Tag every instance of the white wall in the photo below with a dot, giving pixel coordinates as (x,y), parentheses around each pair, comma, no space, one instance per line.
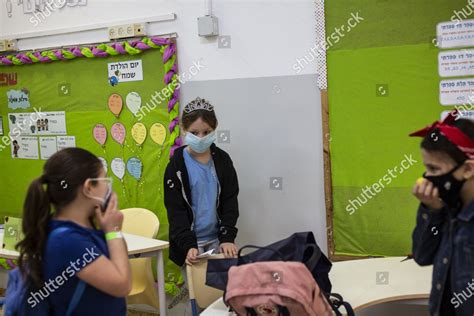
(271,135)
(267,37)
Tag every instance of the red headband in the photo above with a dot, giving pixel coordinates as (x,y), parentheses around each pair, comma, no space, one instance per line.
(452,133)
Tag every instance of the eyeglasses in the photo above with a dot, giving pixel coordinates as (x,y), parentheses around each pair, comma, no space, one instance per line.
(109,180)
(102,179)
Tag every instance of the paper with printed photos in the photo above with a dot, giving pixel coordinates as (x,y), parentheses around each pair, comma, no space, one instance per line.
(25,147)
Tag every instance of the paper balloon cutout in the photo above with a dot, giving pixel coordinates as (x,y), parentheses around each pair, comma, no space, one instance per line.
(118,168)
(134,167)
(104,164)
(100,134)
(118,133)
(158,133)
(115,104)
(139,133)
(134,102)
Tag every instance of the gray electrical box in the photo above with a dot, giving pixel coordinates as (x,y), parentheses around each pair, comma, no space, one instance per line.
(208,26)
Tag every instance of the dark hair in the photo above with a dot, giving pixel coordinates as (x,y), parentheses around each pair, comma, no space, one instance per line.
(190,116)
(436,142)
(64,173)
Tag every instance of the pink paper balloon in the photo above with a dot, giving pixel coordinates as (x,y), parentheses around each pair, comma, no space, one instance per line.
(118,133)
(100,134)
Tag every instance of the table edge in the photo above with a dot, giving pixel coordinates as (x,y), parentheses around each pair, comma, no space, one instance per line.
(392,299)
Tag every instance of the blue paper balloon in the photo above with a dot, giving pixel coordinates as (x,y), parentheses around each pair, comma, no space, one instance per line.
(134,167)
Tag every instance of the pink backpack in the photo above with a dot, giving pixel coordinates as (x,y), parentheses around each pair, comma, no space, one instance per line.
(275,288)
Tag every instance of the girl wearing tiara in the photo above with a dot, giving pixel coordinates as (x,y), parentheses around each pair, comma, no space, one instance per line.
(201,190)
(444,234)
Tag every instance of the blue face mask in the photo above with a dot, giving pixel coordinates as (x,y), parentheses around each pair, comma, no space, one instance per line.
(198,144)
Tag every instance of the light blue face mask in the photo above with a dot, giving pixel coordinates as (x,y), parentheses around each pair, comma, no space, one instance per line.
(198,144)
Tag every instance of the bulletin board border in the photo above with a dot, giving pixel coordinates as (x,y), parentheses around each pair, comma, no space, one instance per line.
(167,47)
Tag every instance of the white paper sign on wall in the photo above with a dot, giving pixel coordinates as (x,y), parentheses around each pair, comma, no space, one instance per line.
(456,63)
(463,114)
(48,147)
(456,91)
(455,34)
(124,71)
(66,142)
(25,147)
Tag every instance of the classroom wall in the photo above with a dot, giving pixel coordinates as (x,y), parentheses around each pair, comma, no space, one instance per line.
(272,113)
(391,49)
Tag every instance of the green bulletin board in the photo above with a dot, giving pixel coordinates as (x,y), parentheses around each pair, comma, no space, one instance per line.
(77,81)
(391,48)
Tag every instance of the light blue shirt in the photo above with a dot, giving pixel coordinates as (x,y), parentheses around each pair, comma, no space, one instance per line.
(203,181)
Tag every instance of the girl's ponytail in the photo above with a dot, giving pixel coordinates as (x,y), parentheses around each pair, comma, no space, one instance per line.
(64,174)
(36,215)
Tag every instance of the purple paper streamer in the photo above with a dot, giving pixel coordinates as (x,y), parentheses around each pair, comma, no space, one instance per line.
(76,51)
(169,52)
(119,48)
(160,41)
(168,76)
(99,53)
(171,103)
(59,54)
(173,124)
(141,45)
(24,59)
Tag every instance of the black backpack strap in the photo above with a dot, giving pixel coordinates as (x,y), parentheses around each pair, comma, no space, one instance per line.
(241,259)
(336,301)
(312,261)
(348,307)
(337,296)
(334,308)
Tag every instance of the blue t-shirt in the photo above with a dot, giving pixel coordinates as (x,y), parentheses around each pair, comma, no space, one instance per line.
(66,254)
(203,182)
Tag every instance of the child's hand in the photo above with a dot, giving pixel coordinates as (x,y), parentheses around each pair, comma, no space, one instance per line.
(112,219)
(228,249)
(191,257)
(427,194)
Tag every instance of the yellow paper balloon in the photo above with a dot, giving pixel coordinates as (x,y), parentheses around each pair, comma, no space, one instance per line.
(139,133)
(158,133)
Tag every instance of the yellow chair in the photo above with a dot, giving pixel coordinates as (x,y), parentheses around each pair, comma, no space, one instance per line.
(199,292)
(142,222)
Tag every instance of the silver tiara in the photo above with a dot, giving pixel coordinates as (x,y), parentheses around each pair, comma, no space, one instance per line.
(198,104)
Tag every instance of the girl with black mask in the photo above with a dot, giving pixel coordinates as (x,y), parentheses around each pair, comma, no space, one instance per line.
(444,233)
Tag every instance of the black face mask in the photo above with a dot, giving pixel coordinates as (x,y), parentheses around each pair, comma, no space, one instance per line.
(449,187)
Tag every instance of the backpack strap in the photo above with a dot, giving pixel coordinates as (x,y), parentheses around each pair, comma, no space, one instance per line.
(240,257)
(348,307)
(81,285)
(336,301)
(58,230)
(312,261)
(76,297)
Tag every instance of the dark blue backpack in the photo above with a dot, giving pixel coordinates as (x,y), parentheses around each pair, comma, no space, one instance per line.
(16,302)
